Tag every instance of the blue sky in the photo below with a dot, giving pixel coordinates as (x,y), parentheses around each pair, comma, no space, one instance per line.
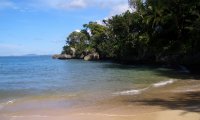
(41,26)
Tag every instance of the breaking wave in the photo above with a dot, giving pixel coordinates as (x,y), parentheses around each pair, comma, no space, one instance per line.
(131,92)
(139,91)
(164,83)
(2,105)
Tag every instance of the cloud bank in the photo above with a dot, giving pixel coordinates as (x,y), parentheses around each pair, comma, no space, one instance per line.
(115,6)
(5,4)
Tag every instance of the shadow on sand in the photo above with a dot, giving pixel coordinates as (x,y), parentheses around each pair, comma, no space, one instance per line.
(189,102)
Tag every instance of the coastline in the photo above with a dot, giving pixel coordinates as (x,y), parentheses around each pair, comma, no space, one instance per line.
(178,101)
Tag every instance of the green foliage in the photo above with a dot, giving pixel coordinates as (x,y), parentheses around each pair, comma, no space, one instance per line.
(98,37)
(157,31)
(66,50)
(77,40)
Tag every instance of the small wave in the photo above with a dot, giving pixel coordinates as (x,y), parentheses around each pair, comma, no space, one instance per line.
(139,91)
(2,105)
(131,92)
(163,83)
(10,101)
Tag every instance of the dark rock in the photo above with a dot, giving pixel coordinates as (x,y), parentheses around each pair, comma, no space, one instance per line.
(92,56)
(62,56)
(82,56)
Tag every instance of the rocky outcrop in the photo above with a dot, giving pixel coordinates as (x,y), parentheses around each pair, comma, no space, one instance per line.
(73,50)
(62,56)
(91,57)
(82,56)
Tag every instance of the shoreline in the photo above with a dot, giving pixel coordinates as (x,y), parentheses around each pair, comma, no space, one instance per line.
(183,68)
(172,101)
(160,115)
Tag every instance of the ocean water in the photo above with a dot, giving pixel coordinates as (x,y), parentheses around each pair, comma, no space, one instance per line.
(41,77)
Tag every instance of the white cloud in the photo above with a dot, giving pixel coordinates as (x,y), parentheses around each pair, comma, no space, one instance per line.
(7,4)
(59,4)
(78,30)
(115,6)
(100,22)
(120,8)
(77,4)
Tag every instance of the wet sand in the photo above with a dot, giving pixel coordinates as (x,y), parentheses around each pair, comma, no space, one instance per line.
(161,115)
(177,101)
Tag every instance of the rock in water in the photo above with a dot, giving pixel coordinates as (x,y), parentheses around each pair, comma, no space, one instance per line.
(93,56)
(62,56)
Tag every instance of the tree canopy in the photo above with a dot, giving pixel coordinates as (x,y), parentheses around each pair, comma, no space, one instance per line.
(157,31)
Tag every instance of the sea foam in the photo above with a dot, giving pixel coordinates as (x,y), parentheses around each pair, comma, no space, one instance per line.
(163,83)
(131,92)
(139,91)
(2,105)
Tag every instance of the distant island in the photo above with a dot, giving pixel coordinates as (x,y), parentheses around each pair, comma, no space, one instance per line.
(30,55)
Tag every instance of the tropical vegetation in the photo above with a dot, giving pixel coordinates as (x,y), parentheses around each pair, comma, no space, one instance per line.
(153,31)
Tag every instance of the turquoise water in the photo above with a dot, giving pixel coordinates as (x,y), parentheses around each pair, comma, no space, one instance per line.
(26,77)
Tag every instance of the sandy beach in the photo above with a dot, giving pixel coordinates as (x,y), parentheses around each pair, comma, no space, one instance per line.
(100,60)
(161,115)
(178,101)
